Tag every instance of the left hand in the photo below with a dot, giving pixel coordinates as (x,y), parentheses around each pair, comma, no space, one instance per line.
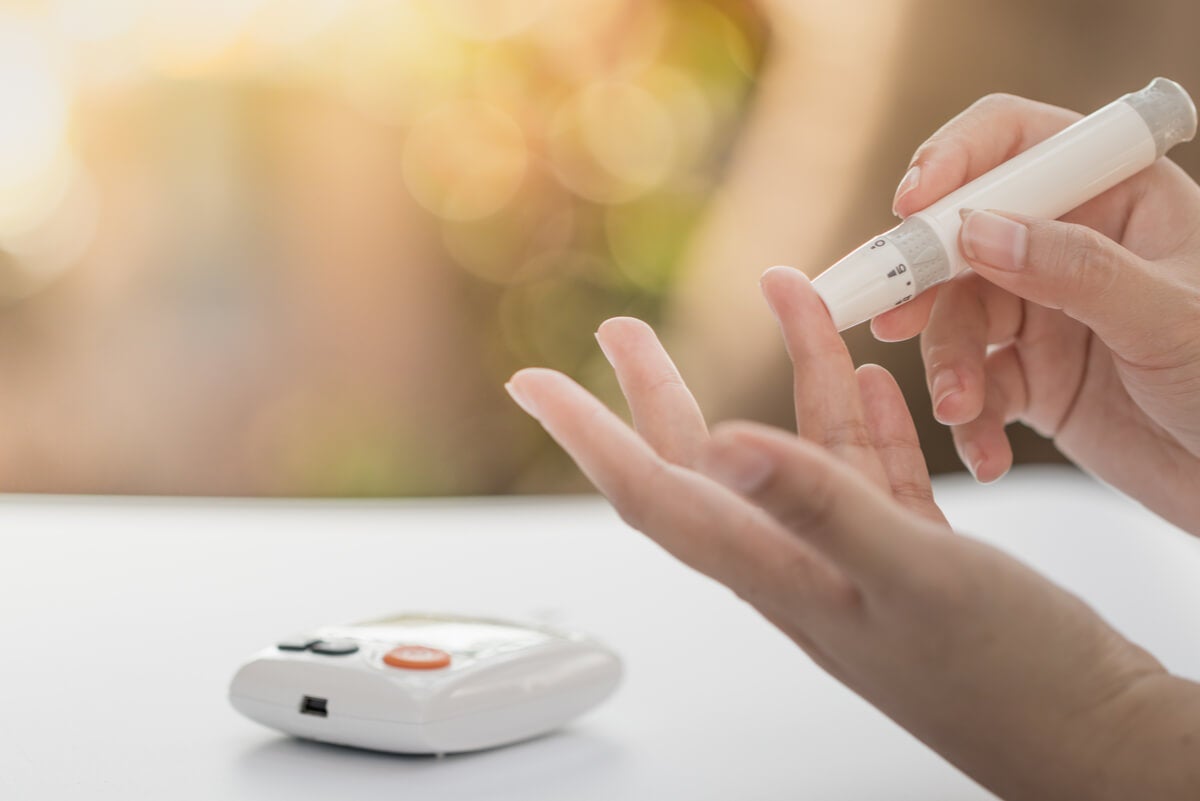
(833,535)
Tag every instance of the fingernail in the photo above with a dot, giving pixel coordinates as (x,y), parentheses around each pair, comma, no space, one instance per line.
(972,457)
(762,285)
(945,384)
(603,347)
(907,184)
(742,468)
(994,240)
(522,399)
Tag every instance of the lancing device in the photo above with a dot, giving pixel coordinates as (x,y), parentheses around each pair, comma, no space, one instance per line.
(1048,180)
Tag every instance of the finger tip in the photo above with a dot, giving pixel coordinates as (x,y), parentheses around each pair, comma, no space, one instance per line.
(948,410)
(615,329)
(521,395)
(875,382)
(960,406)
(727,429)
(904,322)
(873,373)
(991,471)
(621,322)
(533,377)
(912,201)
(780,273)
(987,464)
(735,432)
(617,336)
(994,479)
(791,289)
(881,329)
(903,207)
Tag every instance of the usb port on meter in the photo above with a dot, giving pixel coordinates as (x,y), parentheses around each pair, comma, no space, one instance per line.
(318,707)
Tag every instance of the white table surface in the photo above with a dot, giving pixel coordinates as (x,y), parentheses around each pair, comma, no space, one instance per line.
(123,620)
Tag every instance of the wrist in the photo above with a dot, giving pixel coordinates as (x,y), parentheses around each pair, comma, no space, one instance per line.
(1158,473)
(1149,745)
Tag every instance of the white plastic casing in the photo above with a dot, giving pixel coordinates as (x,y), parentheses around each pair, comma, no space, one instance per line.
(1053,177)
(505,683)
(1047,180)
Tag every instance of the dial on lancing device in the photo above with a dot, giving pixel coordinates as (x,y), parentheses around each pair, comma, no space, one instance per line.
(425,684)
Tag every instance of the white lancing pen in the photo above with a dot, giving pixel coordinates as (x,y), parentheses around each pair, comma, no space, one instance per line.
(1048,180)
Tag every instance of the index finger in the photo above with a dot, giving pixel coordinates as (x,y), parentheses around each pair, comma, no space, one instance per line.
(828,407)
(989,132)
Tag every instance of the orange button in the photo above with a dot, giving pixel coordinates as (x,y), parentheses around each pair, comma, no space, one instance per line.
(416,657)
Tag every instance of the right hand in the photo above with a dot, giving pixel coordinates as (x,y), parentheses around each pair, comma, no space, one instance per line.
(1087,329)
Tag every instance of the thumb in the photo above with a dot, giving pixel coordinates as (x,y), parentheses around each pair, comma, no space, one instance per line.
(1119,295)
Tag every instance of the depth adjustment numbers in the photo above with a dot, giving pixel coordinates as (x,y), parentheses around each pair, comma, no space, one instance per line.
(899,271)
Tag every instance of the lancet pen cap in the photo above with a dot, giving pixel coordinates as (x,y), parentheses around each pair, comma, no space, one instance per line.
(1168,111)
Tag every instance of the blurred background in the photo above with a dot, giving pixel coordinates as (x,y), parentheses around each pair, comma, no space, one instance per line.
(295,247)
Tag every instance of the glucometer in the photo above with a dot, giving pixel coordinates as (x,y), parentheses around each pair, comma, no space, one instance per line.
(425,683)
(1048,180)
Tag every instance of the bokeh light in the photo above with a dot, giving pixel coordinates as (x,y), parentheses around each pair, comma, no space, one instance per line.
(66,225)
(589,40)
(335,199)
(648,238)
(465,160)
(47,208)
(521,242)
(33,134)
(91,21)
(397,63)
(486,20)
(185,38)
(282,26)
(612,142)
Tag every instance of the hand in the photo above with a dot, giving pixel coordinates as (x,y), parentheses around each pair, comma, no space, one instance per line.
(1087,329)
(834,537)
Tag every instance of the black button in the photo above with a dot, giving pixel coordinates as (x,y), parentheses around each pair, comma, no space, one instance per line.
(335,647)
(297,643)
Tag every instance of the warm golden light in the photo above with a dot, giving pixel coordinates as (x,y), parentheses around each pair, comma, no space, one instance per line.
(66,221)
(92,21)
(612,142)
(285,24)
(193,37)
(35,102)
(331,201)
(589,40)
(486,20)
(465,160)
(522,242)
(397,63)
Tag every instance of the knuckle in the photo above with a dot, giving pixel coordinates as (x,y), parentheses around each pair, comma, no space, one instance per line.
(912,490)
(831,590)
(813,509)
(939,353)
(1085,262)
(940,588)
(847,433)
(667,381)
(995,103)
(632,495)
(957,133)
(628,510)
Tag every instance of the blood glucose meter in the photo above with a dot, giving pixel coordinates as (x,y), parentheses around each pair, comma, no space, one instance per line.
(425,683)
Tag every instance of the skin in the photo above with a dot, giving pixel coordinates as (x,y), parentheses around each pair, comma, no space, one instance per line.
(1095,342)
(832,534)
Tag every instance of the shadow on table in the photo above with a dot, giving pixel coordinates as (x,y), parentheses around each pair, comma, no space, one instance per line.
(574,764)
